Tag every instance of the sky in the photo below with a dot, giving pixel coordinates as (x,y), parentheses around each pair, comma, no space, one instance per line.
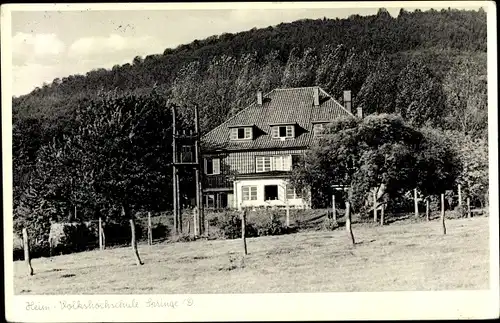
(54,43)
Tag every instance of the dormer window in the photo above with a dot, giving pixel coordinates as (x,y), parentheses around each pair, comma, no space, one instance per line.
(241,133)
(283,131)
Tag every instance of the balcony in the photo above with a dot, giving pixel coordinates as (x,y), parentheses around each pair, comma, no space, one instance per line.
(217,181)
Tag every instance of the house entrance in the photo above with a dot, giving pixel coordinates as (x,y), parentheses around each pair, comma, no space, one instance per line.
(271,192)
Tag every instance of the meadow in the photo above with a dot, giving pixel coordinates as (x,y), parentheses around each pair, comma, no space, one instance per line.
(396,257)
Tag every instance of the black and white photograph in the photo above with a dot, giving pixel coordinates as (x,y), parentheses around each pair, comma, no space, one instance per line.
(250,161)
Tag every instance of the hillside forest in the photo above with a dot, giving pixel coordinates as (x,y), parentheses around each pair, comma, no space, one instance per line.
(101,142)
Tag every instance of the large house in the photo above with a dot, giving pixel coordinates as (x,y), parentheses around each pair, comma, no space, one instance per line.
(246,159)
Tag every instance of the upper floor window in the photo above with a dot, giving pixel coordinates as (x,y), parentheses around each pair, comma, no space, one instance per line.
(285,131)
(270,163)
(212,166)
(241,133)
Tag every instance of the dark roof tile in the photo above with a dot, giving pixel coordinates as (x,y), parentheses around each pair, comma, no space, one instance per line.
(281,106)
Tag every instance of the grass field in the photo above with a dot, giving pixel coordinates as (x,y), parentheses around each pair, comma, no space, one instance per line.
(396,257)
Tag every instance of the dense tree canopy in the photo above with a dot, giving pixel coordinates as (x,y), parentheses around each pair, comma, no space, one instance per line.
(378,152)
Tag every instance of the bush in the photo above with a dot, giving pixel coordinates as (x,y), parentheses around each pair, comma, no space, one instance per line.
(330,224)
(76,238)
(273,227)
(119,233)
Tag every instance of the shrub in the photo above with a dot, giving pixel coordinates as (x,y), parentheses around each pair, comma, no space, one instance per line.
(273,227)
(330,224)
(119,233)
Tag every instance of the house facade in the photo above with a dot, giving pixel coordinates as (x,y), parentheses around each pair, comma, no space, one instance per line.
(247,159)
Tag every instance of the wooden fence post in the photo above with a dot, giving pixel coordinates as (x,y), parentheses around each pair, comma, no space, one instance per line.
(415,201)
(243,233)
(134,243)
(442,214)
(382,214)
(287,214)
(101,235)
(468,207)
(427,209)
(459,195)
(195,221)
(150,230)
(334,210)
(348,222)
(26,245)
(375,205)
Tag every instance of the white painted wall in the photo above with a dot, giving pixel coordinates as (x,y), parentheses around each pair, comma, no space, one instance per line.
(260,183)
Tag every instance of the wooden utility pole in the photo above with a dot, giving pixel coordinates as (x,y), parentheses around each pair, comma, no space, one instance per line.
(197,170)
(192,142)
(26,246)
(174,170)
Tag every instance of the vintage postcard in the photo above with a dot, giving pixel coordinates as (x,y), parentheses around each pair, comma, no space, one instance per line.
(250,161)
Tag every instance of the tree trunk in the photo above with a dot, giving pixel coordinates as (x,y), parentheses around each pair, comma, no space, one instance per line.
(442,214)
(375,205)
(26,246)
(348,222)
(415,201)
(243,233)
(427,209)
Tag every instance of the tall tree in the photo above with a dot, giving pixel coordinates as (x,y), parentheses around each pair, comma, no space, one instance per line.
(465,87)
(420,98)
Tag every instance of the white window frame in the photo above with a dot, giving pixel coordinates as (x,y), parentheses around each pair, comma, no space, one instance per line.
(247,133)
(289,131)
(278,162)
(215,166)
(249,193)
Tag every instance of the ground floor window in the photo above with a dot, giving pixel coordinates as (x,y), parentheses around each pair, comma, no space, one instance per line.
(216,200)
(249,193)
(292,193)
(270,192)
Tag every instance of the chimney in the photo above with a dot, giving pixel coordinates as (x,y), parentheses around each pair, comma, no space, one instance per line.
(360,112)
(259,97)
(347,100)
(316,96)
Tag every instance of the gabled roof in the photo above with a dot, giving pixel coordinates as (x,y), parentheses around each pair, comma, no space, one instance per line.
(280,106)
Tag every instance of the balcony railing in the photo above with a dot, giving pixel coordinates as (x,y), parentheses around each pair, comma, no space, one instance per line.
(217,181)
